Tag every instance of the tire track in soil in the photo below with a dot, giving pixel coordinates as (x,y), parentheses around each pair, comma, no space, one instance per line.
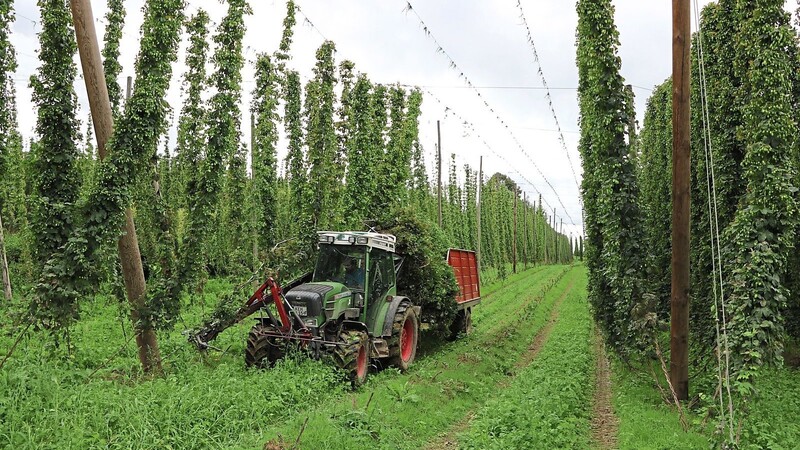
(605,424)
(500,329)
(449,440)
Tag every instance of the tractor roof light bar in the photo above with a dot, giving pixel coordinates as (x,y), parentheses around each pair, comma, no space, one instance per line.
(385,242)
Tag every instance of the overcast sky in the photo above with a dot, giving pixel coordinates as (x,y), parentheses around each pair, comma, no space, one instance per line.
(486,40)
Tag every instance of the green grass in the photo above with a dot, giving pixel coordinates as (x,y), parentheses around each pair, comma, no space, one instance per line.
(47,399)
(773,420)
(646,422)
(97,396)
(548,403)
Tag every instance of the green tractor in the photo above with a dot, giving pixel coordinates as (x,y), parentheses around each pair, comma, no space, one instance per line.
(349,310)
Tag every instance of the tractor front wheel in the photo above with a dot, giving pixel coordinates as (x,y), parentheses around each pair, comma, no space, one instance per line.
(263,349)
(351,354)
(405,334)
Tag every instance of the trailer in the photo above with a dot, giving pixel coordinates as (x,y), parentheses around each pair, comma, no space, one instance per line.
(465,269)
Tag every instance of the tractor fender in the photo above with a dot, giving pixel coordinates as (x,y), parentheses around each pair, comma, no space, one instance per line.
(354,325)
(387,323)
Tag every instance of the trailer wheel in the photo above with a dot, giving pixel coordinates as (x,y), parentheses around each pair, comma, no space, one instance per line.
(263,350)
(405,334)
(351,354)
(461,324)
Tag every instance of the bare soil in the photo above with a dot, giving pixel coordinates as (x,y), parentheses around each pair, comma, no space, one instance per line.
(605,424)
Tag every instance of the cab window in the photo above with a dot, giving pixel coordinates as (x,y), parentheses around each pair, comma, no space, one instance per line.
(382,273)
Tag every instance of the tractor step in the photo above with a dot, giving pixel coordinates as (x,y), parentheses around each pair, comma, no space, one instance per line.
(380,349)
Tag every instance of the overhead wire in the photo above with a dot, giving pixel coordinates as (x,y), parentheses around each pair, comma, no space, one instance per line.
(547,95)
(471,127)
(467,123)
(439,49)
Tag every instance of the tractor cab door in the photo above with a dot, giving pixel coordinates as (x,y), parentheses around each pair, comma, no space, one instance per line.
(381,276)
(381,280)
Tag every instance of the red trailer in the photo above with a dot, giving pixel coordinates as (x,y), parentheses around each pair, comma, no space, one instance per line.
(465,268)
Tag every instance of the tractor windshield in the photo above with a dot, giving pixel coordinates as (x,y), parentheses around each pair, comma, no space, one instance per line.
(341,264)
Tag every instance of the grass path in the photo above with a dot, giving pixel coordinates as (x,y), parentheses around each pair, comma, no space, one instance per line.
(547,405)
(449,440)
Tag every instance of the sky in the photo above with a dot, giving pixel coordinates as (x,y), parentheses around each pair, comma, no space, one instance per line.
(484,44)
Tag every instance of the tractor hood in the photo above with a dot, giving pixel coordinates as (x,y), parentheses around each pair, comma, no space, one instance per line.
(317,298)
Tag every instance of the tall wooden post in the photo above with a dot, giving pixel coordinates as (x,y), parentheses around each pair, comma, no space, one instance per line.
(478,212)
(525,229)
(128,244)
(128,88)
(545,257)
(439,166)
(555,237)
(679,314)
(252,180)
(4,264)
(514,242)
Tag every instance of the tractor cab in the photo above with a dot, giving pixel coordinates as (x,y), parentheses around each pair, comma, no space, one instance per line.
(364,263)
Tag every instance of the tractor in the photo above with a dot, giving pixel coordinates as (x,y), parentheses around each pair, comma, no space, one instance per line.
(348,309)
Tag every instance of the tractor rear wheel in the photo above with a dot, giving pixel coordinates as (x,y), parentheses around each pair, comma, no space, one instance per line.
(461,324)
(263,350)
(405,334)
(351,354)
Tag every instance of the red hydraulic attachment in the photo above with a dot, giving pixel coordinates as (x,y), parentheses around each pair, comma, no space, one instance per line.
(260,298)
(291,325)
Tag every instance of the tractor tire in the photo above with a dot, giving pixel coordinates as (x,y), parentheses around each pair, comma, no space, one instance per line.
(351,354)
(405,335)
(462,324)
(263,350)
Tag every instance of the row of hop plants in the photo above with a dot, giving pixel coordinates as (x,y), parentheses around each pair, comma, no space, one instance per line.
(745,104)
(354,156)
(752,94)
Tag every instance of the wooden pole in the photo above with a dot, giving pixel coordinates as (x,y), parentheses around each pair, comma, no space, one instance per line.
(514,242)
(93,74)
(478,212)
(555,238)
(558,237)
(252,178)
(128,88)
(679,314)
(4,264)
(439,165)
(128,244)
(525,229)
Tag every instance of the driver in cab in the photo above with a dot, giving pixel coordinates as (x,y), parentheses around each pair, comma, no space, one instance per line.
(353,275)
